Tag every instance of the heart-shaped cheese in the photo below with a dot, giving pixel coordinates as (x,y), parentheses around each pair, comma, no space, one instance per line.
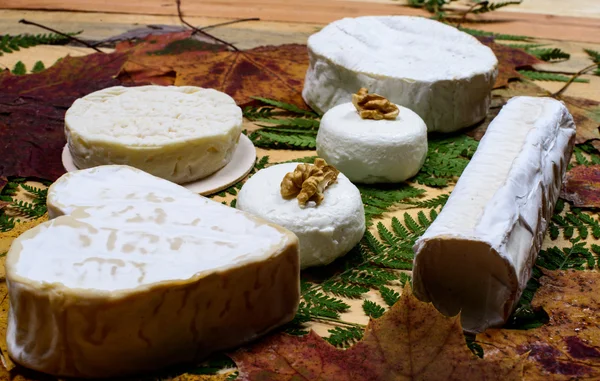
(134,273)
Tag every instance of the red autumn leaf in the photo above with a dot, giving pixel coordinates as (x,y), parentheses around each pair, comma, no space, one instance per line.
(412,341)
(582,186)
(509,60)
(34,105)
(568,347)
(3,182)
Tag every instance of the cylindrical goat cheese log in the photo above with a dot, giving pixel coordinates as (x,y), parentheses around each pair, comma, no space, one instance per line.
(477,256)
(134,273)
(444,75)
(178,133)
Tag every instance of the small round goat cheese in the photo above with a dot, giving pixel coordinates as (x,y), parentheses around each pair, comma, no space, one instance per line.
(325,232)
(444,75)
(181,133)
(372,151)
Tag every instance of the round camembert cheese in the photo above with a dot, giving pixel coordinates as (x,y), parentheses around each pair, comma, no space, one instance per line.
(372,151)
(180,134)
(444,75)
(326,231)
(134,273)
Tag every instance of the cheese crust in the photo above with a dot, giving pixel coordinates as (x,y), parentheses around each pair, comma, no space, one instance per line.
(476,257)
(325,232)
(178,133)
(444,75)
(372,151)
(135,273)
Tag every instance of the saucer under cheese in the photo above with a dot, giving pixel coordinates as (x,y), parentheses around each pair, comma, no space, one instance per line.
(373,151)
(326,231)
(134,273)
(180,134)
(444,75)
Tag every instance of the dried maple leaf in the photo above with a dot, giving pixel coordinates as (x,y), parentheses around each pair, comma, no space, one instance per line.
(33,109)
(509,60)
(582,186)
(566,348)
(412,341)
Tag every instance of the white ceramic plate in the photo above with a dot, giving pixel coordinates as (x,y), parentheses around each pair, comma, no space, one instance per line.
(240,165)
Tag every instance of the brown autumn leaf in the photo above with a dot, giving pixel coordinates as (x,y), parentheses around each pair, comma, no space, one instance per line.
(509,60)
(33,109)
(566,348)
(412,341)
(582,186)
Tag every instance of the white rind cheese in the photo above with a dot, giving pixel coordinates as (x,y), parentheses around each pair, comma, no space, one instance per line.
(135,273)
(372,151)
(477,255)
(325,232)
(444,75)
(181,134)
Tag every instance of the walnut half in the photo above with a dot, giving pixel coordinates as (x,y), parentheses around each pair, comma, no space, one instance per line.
(308,182)
(374,106)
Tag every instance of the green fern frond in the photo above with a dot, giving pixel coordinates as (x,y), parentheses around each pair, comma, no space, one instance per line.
(315,298)
(344,336)
(373,309)
(389,296)
(497,36)
(287,107)
(271,139)
(486,6)
(544,76)
(301,123)
(404,278)
(38,67)
(380,199)
(29,209)
(431,203)
(12,43)
(19,69)
(351,291)
(573,257)
(576,220)
(305,159)
(594,55)
(522,46)
(38,193)
(549,54)
(6,223)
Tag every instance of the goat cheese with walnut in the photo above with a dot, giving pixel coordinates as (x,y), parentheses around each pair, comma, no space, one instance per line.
(181,134)
(328,225)
(444,75)
(134,273)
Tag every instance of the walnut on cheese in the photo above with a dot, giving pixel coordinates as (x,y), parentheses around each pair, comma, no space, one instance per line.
(134,273)
(325,231)
(308,182)
(374,106)
(477,256)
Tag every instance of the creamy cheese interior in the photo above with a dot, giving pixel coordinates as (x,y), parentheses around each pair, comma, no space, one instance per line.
(127,229)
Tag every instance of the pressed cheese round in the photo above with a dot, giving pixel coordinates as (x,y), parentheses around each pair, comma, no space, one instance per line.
(444,75)
(372,151)
(325,232)
(180,134)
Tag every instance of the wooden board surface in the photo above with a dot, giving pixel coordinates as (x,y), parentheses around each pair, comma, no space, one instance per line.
(324,11)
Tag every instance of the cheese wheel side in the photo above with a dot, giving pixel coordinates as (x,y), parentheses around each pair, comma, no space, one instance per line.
(476,257)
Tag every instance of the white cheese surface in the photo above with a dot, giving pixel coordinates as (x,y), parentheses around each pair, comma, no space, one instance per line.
(178,133)
(325,232)
(478,254)
(441,73)
(372,151)
(133,273)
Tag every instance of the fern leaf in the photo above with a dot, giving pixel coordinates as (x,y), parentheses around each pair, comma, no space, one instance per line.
(522,46)
(12,43)
(19,68)
(352,291)
(423,221)
(594,55)
(344,336)
(387,236)
(36,192)
(399,229)
(404,278)
(286,106)
(549,54)
(431,203)
(28,209)
(411,224)
(544,76)
(309,124)
(37,67)
(390,262)
(6,223)
(373,309)
(487,6)
(497,36)
(560,206)
(319,299)
(270,139)
(389,296)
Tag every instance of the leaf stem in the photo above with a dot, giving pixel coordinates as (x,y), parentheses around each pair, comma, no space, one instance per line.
(573,78)
(463,19)
(338,321)
(26,22)
(229,23)
(196,30)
